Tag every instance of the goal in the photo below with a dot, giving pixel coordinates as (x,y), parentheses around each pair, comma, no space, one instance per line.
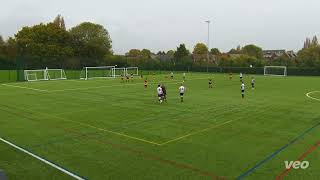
(44,74)
(36,75)
(56,74)
(275,70)
(132,70)
(97,72)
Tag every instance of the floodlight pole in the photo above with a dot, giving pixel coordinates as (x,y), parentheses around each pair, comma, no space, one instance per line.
(208,44)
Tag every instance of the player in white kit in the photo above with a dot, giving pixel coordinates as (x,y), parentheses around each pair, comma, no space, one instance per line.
(242,90)
(160,93)
(182,90)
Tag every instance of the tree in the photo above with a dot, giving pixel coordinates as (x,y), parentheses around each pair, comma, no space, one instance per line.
(315,41)
(234,51)
(161,53)
(91,40)
(146,53)
(215,51)
(181,52)
(59,21)
(170,53)
(200,48)
(134,53)
(238,48)
(307,43)
(253,50)
(1,41)
(46,42)
(308,57)
(63,25)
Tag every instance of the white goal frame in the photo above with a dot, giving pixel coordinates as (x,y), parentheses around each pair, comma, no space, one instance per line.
(275,67)
(62,73)
(29,73)
(85,71)
(133,68)
(45,74)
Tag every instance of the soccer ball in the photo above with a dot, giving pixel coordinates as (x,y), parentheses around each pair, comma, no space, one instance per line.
(250,66)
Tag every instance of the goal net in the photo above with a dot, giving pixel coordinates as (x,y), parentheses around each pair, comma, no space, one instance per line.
(97,72)
(275,70)
(44,74)
(132,70)
(119,72)
(36,75)
(56,74)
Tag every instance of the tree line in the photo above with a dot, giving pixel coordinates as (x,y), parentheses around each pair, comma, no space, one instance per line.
(89,44)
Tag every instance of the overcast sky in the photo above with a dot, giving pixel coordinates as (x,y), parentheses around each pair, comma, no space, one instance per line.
(164,24)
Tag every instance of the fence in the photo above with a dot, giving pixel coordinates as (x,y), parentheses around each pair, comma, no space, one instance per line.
(13,75)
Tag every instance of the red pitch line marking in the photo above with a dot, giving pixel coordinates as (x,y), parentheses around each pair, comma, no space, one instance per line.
(304,155)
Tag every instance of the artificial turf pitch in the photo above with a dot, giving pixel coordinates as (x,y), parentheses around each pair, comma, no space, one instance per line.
(105,129)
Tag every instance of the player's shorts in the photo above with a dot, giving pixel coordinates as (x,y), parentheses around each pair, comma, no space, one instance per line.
(181,94)
(252,84)
(160,95)
(145,85)
(210,83)
(242,91)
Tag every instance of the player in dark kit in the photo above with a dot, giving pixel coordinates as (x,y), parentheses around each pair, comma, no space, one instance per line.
(122,79)
(145,83)
(253,81)
(210,83)
(164,90)
(230,76)
(131,77)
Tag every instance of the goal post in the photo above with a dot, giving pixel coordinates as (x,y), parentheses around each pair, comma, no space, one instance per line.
(97,72)
(275,71)
(44,74)
(132,70)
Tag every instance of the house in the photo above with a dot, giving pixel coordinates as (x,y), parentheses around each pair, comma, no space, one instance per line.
(274,54)
(203,58)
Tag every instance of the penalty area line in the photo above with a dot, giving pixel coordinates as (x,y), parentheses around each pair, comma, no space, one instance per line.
(43,160)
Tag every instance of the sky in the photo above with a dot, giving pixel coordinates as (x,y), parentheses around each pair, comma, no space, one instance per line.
(164,24)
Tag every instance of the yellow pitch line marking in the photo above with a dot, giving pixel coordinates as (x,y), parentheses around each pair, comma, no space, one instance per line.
(101,129)
(197,132)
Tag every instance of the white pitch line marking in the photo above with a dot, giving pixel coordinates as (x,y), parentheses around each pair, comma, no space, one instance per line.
(43,160)
(23,87)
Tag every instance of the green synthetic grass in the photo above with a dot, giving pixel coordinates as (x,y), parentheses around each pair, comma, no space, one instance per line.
(105,129)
